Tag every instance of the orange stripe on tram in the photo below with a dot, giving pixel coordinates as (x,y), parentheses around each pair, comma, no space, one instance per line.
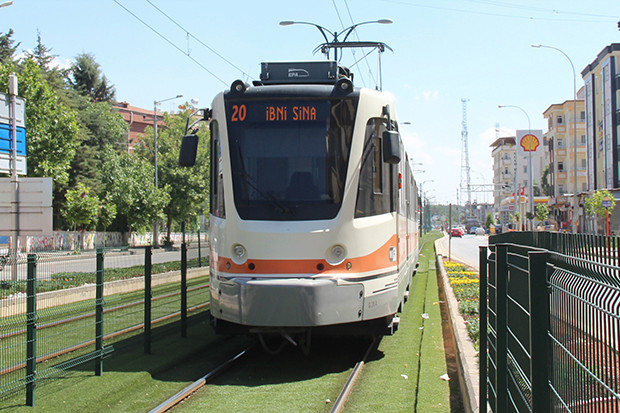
(376,260)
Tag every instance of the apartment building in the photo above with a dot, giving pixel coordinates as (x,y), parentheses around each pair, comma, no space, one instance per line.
(602,124)
(504,154)
(138,119)
(562,121)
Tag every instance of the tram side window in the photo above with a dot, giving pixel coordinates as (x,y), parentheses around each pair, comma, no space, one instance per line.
(217,173)
(373,194)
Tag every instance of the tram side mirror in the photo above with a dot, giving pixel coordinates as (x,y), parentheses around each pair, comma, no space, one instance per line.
(391,147)
(189,147)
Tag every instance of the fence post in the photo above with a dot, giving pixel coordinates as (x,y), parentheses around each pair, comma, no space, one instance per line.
(501,349)
(99,314)
(199,251)
(148,253)
(31,329)
(183,289)
(540,351)
(483,327)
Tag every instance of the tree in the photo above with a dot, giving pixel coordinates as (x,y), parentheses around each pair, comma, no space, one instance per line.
(53,132)
(542,212)
(128,181)
(100,127)
(188,187)
(7,47)
(594,204)
(489,221)
(544,182)
(43,57)
(86,78)
(81,208)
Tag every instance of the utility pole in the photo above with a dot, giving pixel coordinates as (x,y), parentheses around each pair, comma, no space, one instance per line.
(14,181)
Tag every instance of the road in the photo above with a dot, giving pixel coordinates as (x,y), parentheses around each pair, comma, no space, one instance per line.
(465,249)
(47,265)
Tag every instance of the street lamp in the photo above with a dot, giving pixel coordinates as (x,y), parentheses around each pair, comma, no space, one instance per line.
(323,31)
(574,227)
(531,174)
(422,201)
(156,103)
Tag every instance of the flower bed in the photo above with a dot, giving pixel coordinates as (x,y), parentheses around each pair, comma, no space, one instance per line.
(466,287)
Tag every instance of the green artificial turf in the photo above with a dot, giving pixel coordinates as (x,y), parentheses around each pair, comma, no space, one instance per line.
(133,381)
(405,375)
(402,375)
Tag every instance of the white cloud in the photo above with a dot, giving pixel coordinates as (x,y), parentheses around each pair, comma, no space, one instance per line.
(57,62)
(430,95)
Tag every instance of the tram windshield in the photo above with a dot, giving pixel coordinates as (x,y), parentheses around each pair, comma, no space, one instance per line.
(289,158)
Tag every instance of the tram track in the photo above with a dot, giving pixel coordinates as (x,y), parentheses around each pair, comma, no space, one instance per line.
(350,383)
(201,382)
(229,364)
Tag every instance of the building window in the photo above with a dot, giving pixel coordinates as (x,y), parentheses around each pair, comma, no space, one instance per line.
(584,164)
(560,120)
(560,166)
(582,116)
(560,143)
(525,169)
(561,189)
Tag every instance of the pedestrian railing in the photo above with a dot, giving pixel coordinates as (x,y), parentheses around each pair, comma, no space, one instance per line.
(550,324)
(59,314)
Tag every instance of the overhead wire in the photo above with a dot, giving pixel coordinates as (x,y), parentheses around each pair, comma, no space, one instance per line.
(343,27)
(539,9)
(169,42)
(358,38)
(513,16)
(198,40)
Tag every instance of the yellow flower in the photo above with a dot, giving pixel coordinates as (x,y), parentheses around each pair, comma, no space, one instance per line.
(459,281)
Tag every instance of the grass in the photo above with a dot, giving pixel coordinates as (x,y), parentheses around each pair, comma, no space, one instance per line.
(407,376)
(53,339)
(133,381)
(402,375)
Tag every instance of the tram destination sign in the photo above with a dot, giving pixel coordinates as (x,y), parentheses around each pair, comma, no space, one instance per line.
(279,111)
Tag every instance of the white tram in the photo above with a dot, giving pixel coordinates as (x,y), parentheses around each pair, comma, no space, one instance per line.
(314,208)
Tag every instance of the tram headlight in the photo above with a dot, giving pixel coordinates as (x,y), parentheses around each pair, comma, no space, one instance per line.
(239,254)
(336,254)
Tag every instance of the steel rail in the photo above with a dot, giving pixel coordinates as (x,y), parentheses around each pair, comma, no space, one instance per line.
(201,382)
(108,336)
(348,386)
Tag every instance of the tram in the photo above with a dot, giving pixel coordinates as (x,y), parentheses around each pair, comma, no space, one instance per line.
(314,209)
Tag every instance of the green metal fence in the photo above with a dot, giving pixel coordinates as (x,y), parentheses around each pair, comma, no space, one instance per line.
(550,323)
(57,313)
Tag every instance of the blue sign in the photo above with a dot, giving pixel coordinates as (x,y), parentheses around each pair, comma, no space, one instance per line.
(6,140)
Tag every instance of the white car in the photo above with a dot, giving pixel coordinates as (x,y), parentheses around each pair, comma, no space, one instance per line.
(480,231)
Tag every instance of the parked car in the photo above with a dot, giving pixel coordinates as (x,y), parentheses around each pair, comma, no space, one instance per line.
(457,232)
(473,230)
(480,231)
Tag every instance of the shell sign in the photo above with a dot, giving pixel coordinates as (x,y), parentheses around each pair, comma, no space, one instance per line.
(529,143)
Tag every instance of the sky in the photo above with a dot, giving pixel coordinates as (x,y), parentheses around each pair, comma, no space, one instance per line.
(444,52)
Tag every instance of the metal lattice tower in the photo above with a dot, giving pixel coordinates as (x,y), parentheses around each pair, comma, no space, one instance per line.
(465,175)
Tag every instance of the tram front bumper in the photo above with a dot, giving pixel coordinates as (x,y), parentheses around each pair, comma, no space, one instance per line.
(287,302)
